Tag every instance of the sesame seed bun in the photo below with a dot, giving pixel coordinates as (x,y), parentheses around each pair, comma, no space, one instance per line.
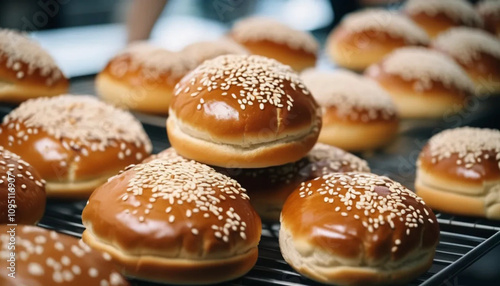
(478,52)
(436,17)
(45,257)
(142,78)
(270,38)
(75,142)
(489,10)
(243,111)
(27,70)
(357,229)
(365,37)
(269,187)
(166,220)
(358,115)
(20,186)
(458,171)
(423,83)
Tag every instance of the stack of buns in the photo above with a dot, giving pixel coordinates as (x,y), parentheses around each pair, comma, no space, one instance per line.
(27,70)
(269,187)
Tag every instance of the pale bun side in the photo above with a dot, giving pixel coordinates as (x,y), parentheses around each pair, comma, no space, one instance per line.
(357,51)
(307,262)
(353,136)
(446,199)
(178,270)
(224,155)
(27,70)
(155,99)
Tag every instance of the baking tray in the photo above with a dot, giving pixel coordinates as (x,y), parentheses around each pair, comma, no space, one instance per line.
(463,240)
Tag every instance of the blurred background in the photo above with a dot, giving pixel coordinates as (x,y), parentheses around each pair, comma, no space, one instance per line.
(96,28)
(83,35)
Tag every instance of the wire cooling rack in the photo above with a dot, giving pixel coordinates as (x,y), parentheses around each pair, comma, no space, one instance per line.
(462,240)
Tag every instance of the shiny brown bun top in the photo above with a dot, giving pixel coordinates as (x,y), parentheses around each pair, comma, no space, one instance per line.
(173,209)
(424,70)
(489,10)
(20,186)
(383,22)
(45,257)
(265,29)
(201,51)
(145,64)
(477,51)
(74,137)
(466,154)
(23,61)
(360,217)
(437,16)
(348,96)
(244,100)
(270,38)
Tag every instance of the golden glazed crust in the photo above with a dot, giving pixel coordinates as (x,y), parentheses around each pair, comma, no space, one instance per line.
(243,109)
(22,186)
(341,224)
(142,77)
(78,148)
(269,38)
(165,216)
(458,171)
(45,257)
(27,70)
(269,187)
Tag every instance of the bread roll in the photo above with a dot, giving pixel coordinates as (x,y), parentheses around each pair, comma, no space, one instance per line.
(423,83)
(357,229)
(269,187)
(489,10)
(243,111)
(27,70)
(43,257)
(272,39)
(438,16)
(365,37)
(174,221)
(458,172)
(75,142)
(477,52)
(22,191)
(142,78)
(358,115)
